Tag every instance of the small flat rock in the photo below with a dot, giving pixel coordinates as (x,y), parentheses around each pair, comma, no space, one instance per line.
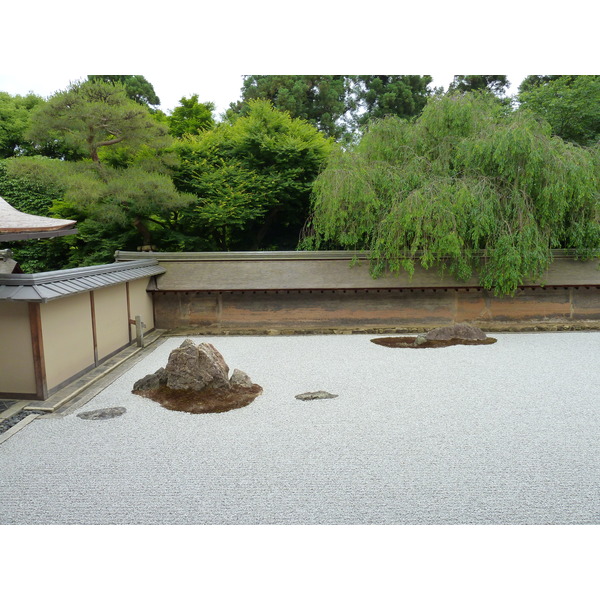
(103,413)
(315,395)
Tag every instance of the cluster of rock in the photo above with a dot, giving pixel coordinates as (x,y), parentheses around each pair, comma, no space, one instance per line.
(440,337)
(193,367)
(196,379)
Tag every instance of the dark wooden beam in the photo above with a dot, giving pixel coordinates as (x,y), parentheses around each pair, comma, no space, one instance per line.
(94,334)
(128,311)
(37,345)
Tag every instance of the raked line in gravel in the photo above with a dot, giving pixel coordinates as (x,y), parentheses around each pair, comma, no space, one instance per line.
(498,434)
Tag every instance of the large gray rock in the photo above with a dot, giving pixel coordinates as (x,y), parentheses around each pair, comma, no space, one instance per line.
(192,367)
(459,331)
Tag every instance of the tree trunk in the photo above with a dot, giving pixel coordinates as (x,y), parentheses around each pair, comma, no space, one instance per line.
(143,231)
(262,232)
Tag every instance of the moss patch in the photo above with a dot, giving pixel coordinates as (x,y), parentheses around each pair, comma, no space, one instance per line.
(409,342)
(205,401)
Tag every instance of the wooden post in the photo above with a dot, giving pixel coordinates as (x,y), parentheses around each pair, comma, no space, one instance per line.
(37,344)
(128,310)
(139,330)
(94,332)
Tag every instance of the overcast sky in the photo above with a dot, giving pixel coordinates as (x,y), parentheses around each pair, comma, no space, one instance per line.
(184,48)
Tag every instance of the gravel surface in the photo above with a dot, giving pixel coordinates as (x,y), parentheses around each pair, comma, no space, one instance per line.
(498,434)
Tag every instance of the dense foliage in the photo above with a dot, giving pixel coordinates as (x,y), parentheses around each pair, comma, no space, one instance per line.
(115,208)
(412,174)
(497,84)
(570,104)
(339,105)
(31,195)
(15,113)
(191,117)
(318,99)
(251,177)
(468,178)
(137,87)
(93,114)
(377,96)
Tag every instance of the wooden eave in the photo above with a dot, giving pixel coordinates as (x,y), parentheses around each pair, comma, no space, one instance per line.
(17,225)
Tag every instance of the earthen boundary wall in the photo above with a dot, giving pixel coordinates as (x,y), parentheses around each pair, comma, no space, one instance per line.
(333,292)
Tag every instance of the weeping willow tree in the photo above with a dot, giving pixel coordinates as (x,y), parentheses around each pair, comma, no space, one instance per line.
(469,186)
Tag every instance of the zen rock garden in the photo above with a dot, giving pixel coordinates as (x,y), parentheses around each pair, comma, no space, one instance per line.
(196,380)
(441,337)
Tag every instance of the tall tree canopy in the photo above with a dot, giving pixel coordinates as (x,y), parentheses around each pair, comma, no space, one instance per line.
(191,117)
(377,96)
(532,81)
(318,99)
(122,194)
(570,103)
(116,208)
(467,178)
(93,114)
(339,105)
(497,84)
(252,177)
(137,87)
(14,121)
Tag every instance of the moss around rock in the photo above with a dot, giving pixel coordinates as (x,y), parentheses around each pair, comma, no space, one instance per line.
(204,401)
(441,337)
(410,342)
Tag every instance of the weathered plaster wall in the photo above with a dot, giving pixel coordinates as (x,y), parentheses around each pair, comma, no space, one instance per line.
(17,374)
(68,337)
(112,322)
(304,291)
(140,302)
(371,309)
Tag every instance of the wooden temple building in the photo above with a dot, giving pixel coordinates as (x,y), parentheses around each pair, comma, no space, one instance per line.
(57,325)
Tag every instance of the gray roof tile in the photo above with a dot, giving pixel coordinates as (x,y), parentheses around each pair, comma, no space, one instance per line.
(42,287)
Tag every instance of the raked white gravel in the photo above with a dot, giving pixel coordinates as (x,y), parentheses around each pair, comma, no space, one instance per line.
(500,434)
